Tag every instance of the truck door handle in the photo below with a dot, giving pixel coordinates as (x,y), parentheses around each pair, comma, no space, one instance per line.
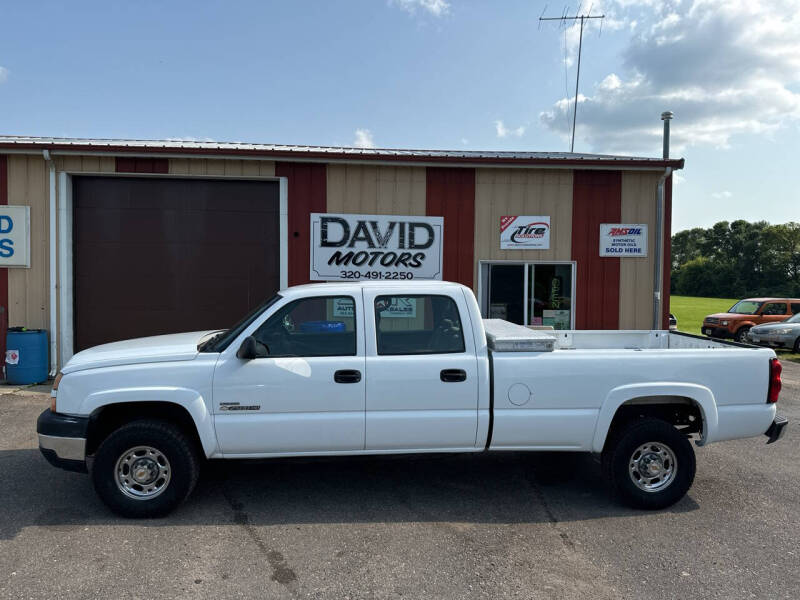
(453,375)
(347,376)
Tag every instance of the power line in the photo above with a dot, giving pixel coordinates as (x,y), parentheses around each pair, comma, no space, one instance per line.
(563,19)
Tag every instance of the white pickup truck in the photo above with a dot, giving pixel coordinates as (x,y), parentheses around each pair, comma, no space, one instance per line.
(406,367)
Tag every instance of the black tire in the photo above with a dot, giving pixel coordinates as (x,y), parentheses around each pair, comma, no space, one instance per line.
(173,450)
(619,454)
(741,334)
(797,346)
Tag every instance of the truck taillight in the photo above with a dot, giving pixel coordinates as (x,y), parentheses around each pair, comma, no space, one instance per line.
(774,389)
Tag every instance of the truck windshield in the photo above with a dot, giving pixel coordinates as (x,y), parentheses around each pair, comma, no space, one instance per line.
(223,339)
(745,307)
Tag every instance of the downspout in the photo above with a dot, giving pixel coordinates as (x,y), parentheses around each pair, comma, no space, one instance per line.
(658,271)
(51,164)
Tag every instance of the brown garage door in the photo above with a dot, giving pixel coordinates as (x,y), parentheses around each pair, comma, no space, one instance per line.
(155,255)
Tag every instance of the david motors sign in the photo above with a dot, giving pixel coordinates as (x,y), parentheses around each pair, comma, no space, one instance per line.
(623,240)
(15,236)
(524,233)
(375,247)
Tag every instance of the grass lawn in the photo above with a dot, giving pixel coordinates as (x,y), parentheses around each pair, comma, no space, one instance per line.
(690,312)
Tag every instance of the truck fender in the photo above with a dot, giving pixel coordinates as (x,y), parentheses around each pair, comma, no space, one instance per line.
(189,399)
(618,396)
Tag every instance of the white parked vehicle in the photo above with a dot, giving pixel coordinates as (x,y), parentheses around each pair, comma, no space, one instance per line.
(406,367)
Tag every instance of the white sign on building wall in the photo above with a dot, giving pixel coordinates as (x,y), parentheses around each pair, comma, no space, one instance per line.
(375,247)
(15,236)
(524,232)
(623,240)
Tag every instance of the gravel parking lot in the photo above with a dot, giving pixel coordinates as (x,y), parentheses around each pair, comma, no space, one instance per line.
(487,526)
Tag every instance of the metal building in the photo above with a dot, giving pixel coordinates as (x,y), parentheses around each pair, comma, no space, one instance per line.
(129,238)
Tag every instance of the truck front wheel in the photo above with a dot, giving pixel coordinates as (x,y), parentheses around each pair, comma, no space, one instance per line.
(649,464)
(145,469)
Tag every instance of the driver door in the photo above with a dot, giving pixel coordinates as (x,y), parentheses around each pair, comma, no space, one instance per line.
(306,394)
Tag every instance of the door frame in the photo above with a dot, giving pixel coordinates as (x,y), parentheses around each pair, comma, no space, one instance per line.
(483,294)
(66,291)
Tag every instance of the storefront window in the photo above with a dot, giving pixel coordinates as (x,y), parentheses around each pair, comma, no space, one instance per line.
(529,293)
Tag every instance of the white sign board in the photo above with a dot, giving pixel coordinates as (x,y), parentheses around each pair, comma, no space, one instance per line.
(524,232)
(399,308)
(375,247)
(623,240)
(15,236)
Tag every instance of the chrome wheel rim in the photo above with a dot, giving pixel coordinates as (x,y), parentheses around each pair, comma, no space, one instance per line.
(142,472)
(652,467)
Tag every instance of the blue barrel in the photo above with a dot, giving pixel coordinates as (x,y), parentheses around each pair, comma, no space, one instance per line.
(322,326)
(26,356)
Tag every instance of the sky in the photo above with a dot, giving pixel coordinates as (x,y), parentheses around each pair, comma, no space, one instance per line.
(444,74)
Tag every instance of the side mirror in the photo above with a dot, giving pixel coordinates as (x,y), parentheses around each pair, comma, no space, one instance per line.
(250,349)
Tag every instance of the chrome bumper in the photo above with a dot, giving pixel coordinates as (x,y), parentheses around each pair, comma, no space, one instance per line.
(66,448)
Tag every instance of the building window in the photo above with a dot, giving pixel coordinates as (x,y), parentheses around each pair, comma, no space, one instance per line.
(529,293)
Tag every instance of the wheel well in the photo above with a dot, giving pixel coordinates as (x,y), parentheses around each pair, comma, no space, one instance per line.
(106,419)
(681,412)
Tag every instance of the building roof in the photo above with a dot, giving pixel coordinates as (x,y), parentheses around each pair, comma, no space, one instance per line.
(27,144)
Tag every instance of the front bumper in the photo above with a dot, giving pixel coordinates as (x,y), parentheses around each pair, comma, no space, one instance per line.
(716,331)
(62,440)
(777,429)
(770,339)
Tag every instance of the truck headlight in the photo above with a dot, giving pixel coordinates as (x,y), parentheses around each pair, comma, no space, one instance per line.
(54,391)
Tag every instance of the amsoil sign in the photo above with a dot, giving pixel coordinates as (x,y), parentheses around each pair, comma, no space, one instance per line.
(15,236)
(524,233)
(375,247)
(623,240)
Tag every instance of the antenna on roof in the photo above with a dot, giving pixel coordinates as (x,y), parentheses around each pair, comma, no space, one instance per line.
(562,21)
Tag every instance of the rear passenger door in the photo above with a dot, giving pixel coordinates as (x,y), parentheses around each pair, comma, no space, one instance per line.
(422,383)
(773,312)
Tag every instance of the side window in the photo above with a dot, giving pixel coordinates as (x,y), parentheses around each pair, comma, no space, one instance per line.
(321,326)
(418,325)
(795,308)
(774,308)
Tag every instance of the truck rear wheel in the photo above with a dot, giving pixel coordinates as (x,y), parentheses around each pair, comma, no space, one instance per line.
(649,464)
(145,469)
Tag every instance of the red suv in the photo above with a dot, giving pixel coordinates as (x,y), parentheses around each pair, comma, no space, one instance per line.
(746,314)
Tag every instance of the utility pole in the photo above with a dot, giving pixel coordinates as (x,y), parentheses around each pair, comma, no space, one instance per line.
(562,22)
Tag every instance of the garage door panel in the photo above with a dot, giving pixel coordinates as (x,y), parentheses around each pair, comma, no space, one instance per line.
(157,255)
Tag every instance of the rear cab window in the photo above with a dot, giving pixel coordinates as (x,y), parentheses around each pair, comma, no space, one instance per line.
(417,324)
(795,308)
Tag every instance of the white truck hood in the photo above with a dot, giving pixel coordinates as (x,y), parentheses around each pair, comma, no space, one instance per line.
(159,348)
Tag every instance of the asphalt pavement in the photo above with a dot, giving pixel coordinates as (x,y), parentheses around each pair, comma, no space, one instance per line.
(485,526)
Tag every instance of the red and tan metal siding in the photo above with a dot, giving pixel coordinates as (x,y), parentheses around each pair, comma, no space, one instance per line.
(450,193)
(636,274)
(597,198)
(501,192)
(28,299)
(376,190)
(307,190)
(209,167)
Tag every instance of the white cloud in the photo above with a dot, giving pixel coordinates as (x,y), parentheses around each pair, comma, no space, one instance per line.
(722,195)
(4,74)
(724,67)
(363,139)
(436,8)
(504,132)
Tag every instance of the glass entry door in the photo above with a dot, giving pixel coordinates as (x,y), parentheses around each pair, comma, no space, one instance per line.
(531,293)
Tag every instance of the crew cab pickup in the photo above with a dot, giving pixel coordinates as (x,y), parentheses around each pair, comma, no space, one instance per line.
(399,367)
